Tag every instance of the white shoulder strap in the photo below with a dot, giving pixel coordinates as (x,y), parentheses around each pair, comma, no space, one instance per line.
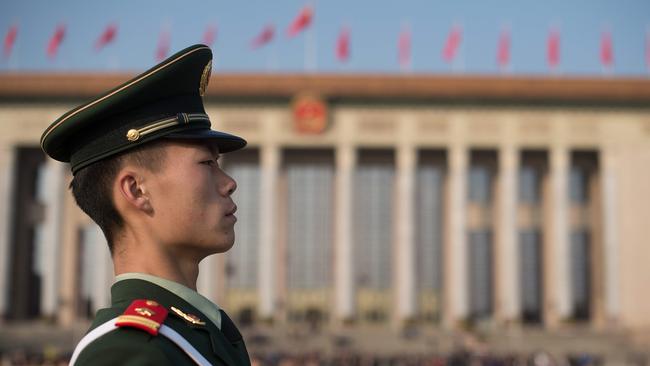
(168,332)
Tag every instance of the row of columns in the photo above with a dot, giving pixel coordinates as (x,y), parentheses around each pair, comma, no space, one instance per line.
(455,306)
(557,291)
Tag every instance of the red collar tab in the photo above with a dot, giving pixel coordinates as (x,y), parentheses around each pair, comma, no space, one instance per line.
(147,315)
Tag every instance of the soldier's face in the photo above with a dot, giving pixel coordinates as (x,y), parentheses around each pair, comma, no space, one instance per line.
(191,200)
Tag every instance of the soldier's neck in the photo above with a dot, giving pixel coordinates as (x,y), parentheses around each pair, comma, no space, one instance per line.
(153,260)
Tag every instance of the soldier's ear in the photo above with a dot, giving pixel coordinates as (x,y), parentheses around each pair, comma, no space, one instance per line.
(133,191)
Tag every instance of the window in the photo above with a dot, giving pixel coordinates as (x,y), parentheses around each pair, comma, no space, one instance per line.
(310,197)
(530,271)
(480,261)
(373,219)
(429,231)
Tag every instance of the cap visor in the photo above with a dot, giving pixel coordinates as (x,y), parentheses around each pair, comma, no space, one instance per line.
(225,141)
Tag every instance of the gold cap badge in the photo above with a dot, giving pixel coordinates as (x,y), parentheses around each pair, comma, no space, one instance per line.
(205,78)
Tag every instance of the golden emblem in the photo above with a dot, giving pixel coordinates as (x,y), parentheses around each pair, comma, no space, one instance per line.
(151,303)
(188,317)
(309,114)
(205,78)
(132,135)
(145,311)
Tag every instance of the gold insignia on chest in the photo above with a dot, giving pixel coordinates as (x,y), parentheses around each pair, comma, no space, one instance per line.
(145,312)
(205,78)
(190,318)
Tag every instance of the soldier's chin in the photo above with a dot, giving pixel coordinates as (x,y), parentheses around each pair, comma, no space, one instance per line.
(228,247)
(225,245)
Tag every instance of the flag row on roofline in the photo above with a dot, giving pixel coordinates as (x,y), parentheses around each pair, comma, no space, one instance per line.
(342,50)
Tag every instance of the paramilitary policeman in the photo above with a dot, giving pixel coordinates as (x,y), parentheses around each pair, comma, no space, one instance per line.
(145,166)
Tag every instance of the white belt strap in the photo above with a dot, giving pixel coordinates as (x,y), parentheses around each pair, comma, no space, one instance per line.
(168,332)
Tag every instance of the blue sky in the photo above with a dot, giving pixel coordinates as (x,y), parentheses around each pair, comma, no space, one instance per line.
(375,26)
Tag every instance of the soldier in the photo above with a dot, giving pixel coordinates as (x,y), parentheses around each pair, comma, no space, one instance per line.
(146,170)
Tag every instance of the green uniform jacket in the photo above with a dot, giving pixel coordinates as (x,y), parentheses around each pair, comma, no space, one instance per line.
(131,346)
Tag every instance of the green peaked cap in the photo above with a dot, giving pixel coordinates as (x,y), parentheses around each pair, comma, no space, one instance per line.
(162,102)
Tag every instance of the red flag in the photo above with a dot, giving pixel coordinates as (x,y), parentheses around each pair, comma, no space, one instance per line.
(503,52)
(106,37)
(553,48)
(606,52)
(163,45)
(55,41)
(10,39)
(343,45)
(265,36)
(209,35)
(302,21)
(404,49)
(451,46)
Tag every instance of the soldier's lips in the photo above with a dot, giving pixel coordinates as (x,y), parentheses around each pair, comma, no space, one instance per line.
(231,213)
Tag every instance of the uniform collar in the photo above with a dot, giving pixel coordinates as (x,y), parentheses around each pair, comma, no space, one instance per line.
(207,307)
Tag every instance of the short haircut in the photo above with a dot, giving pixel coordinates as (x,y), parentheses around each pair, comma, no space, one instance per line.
(92,186)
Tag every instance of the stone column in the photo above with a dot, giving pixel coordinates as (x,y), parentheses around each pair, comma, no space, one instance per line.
(268,227)
(558,290)
(404,242)
(50,194)
(343,273)
(610,235)
(103,267)
(70,265)
(455,264)
(206,284)
(506,250)
(6,215)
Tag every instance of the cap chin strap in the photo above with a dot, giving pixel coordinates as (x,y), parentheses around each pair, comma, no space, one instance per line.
(168,332)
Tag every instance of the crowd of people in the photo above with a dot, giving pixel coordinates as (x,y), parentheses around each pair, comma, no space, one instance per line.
(458,358)
(351,358)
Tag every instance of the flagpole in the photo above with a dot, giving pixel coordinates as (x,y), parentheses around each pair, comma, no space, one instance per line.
(61,65)
(12,61)
(310,55)
(113,63)
(404,48)
(271,58)
(458,67)
(342,49)
(305,59)
(606,49)
(505,46)
(601,50)
(10,57)
(409,64)
(555,32)
(310,50)
(647,48)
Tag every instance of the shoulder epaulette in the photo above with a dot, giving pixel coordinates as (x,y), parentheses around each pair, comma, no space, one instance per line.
(147,315)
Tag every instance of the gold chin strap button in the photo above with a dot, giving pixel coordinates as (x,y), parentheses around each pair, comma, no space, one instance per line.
(132,135)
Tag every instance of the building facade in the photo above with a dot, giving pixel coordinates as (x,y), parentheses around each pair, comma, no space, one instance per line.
(438,200)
